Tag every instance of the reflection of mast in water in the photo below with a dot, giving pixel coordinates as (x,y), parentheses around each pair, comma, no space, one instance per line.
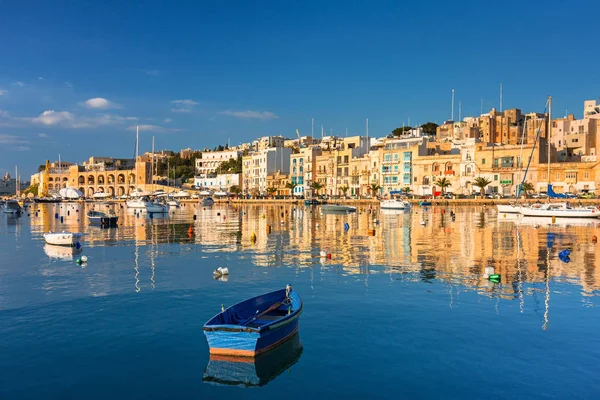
(136,268)
(547,296)
(520,258)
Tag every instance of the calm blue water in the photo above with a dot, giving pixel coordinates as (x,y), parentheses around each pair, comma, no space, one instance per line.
(402,313)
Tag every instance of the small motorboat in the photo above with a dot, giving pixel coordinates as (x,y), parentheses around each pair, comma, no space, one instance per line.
(256,325)
(337,208)
(248,372)
(11,207)
(207,202)
(63,238)
(173,203)
(312,202)
(394,204)
(102,218)
(425,203)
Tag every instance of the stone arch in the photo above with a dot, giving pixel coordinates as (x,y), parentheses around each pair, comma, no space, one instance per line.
(50,179)
(101,179)
(435,168)
(572,189)
(131,178)
(121,190)
(111,179)
(425,180)
(90,192)
(65,179)
(82,190)
(91,180)
(111,191)
(100,189)
(121,178)
(131,189)
(448,166)
(64,185)
(81,180)
(50,186)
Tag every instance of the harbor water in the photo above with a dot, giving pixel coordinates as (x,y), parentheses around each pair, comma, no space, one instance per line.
(402,307)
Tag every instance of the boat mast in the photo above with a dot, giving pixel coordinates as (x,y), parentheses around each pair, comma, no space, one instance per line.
(137,144)
(548,133)
(152,169)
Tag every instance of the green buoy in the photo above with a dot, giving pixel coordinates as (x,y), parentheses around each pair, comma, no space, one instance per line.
(495,278)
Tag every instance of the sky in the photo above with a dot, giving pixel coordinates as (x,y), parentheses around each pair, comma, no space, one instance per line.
(76,77)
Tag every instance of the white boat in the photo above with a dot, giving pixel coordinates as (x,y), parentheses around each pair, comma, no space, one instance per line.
(560,210)
(181,194)
(511,208)
(102,218)
(101,195)
(11,207)
(70,193)
(337,208)
(220,193)
(394,204)
(137,203)
(63,238)
(173,203)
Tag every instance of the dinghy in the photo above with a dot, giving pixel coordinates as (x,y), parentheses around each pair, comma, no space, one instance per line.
(333,208)
(63,238)
(102,218)
(256,325)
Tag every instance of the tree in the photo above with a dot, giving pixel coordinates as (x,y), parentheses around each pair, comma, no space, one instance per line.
(429,128)
(401,131)
(527,188)
(443,183)
(42,168)
(235,189)
(343,189)
(291,186)
(406,190)
(374,188)
(481,182)
(316,186)
(271,190)
(231,166)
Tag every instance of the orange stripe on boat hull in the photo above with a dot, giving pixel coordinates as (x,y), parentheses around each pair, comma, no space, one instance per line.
(246,353)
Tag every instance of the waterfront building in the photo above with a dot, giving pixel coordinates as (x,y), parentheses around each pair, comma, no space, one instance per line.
(257,165)
(221,182)
(209,161)
(279,181)
(360,174)
(266,142)
(342,151)
(432,163)
(591,109)
(117,177)
(303,164)
(395,158)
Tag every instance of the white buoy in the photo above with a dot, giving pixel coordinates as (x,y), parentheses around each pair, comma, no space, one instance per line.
(489,270)
(221,271)
(323,253)
(84,259)
(317,225)
(423,222)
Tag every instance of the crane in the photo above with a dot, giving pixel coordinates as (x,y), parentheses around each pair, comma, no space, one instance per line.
(45,180)
(299,140)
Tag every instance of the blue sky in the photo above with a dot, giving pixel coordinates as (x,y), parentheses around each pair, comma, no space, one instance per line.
(195,74)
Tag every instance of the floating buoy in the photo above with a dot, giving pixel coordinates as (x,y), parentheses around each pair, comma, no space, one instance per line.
(594,239)
(263,216)
(84,259)
(190,230)
(268,229)
(329,256)
(564,253)
(495,278)
(221,271)
(346,227)
(253,237)
(317,225)
(195,217)
(423,222)
(323,253)
(371,232)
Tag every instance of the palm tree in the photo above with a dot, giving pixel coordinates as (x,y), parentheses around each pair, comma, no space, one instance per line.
(316,186)
(271,190)
(481,182)
(291,186)
(406,190)
(443,183)
(343,189)
(374,188)
(527,188)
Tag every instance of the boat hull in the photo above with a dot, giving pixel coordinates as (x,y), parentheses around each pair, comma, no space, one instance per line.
(394,205)
(337,208)
(508,209)
(241,331)
(103,220)
(207,202)
(574,213)
(63,239)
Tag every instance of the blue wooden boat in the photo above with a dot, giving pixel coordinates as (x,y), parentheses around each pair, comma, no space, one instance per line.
(253,372)
(425,203)
(256,325)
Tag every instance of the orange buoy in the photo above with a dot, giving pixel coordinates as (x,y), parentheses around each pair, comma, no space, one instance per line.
(594,239)
(190,230)
(329,256)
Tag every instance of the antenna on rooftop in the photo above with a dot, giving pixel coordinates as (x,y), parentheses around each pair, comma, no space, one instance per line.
(312,132)
(452,117)
(500,97)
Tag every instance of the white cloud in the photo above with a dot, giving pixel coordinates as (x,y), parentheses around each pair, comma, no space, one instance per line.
(262,115)
(21,148)
(69,85)
(3,92)
(67,119)
(183,106)
(43,135)
(152,128)
(18,83)
(167,120)
(4,114)
(12,139)
(100,103)
(152,72)
(41,78)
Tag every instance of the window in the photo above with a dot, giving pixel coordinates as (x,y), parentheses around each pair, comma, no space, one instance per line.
(483,160)
(495,177)
(571,175)
(557,176)
(339,159)
(427,168)
(586,175)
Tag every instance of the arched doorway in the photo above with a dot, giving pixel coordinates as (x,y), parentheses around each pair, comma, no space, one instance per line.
(111,179)
(131,179)
(90,192)
(111,191)
(91,180)
(100,179)
(81,180)
(121,190)
(121,178)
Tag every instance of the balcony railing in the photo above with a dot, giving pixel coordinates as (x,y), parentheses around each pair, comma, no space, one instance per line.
(450,172)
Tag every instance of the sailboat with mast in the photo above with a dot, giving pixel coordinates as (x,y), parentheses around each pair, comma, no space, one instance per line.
(557,209)
(142,202)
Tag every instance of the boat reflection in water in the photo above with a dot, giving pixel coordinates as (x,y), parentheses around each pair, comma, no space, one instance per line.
(253,372)
(64,253)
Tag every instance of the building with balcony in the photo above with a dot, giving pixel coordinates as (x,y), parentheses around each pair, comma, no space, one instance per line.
(221,182)
(211,160)
(303,164)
